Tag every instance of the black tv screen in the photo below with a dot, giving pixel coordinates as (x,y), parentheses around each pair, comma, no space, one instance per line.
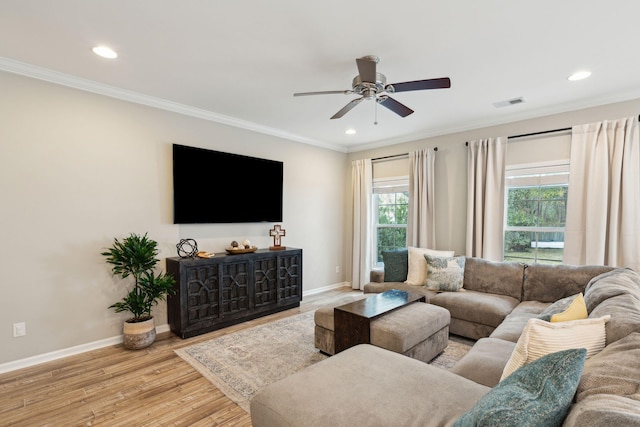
(215,187)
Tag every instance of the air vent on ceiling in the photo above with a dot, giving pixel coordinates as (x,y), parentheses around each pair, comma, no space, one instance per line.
(508,102)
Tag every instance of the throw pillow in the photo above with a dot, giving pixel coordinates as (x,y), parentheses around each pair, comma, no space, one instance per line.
(540,338)
(417,274)
(538,394)
(445,274)
(569,308)
(396,265)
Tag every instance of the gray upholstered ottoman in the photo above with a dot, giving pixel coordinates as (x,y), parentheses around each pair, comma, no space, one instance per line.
(418,330)
(323,316)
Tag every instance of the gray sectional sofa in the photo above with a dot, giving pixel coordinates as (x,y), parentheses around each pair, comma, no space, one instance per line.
(366,385)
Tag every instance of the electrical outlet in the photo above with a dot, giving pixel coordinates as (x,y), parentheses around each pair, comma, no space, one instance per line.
(19,329)
(337,269)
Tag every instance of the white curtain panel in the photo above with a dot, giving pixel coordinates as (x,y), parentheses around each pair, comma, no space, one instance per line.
(421,231)
(603,204)
(362,182)
(485,198)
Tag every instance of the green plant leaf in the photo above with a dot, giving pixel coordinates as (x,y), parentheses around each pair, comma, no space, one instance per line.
(135,256)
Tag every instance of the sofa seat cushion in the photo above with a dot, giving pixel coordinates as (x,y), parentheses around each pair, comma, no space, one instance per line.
(512,326)
(485,361)
(369,386)
(549,283)
(502,278)
(477,307)
(376,288)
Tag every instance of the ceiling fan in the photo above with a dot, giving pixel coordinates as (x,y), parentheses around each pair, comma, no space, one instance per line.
(370,84)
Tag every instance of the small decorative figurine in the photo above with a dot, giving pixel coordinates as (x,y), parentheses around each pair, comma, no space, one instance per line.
(277,232)
(187,248)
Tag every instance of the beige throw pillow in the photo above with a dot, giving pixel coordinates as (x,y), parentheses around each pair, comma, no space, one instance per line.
(540,338)
(417,274)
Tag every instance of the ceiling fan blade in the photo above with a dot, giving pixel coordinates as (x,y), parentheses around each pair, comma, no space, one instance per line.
(395,106)
(347,108)
(441,83)
(326,92)
(367,69)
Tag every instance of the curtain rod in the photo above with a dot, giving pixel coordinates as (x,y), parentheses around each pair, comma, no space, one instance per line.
(395,155)
(533,134)
(538,133)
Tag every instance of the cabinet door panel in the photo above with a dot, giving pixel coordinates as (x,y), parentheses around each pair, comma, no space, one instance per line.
(289,278)
(265,281)
(202,294)
(235,288)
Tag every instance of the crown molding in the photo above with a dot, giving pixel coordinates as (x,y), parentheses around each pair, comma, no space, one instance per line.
(28,70)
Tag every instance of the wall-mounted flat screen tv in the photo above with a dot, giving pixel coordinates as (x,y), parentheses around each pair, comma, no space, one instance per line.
(216,187)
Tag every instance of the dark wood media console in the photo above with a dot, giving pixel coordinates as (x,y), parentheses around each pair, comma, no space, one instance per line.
(217,292)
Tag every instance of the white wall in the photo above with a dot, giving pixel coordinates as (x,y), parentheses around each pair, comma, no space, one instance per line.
(78,169)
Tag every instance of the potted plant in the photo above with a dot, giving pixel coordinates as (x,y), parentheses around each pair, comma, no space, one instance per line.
(135,256)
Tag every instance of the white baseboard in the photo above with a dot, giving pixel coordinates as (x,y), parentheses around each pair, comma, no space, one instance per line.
(66,352)
(325,288)
(95,345)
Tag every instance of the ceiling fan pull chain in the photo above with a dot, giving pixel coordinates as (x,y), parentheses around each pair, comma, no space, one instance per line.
(375,112)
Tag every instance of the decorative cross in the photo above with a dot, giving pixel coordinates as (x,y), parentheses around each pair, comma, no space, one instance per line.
(277,232)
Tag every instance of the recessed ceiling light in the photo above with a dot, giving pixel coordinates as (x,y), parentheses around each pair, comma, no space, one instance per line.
(350,131)
(580,75)
(105,52)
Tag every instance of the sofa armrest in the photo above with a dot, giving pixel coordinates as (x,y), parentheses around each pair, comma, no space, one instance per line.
(376,276)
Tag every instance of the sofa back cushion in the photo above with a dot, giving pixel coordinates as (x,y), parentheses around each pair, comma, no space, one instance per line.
(621,281)
(502,278)
(549,283)
(616,293)
(615,370)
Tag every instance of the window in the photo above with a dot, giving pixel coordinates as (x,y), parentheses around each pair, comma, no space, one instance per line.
(535,213)
(390,206)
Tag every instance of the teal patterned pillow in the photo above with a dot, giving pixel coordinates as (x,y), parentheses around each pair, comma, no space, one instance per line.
(537,394)
(396,265)
(445,274)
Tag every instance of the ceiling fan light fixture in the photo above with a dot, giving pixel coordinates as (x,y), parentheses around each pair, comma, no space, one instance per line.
(350,131)
(370,85)
(105,52)
(579,75)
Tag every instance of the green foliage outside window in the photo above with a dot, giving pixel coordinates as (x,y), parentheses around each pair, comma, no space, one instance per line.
(535,215)
(392,221)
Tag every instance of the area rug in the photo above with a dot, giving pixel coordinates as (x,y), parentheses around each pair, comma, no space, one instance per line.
(242,363)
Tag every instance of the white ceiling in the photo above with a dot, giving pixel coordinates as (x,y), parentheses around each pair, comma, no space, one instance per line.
(240,61)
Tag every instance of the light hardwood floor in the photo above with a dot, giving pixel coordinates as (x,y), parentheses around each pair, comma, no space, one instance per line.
(114,386)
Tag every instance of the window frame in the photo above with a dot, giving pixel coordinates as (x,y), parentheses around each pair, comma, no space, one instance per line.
(387,185)
(532,175)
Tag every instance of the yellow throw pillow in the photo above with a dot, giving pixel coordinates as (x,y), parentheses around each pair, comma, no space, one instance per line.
(540,338)
(577,310)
